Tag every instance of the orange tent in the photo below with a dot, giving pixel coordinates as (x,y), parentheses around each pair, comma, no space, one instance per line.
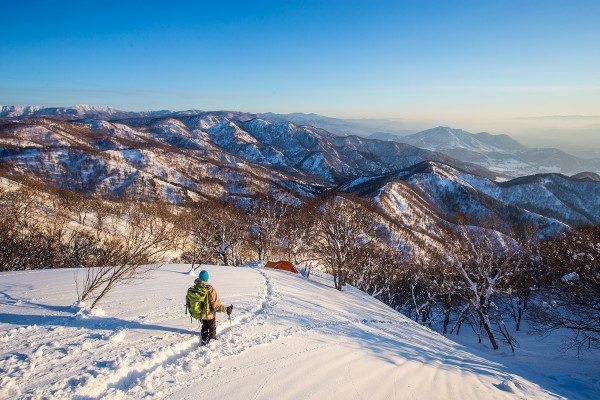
(282,265)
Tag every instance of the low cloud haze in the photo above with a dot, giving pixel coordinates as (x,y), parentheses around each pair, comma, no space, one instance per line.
(577,134)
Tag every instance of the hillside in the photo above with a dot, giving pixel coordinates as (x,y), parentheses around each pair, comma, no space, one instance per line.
(429,195)
(191,156)
(290,338)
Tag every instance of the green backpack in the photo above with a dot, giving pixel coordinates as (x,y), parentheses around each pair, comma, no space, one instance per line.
(197,301)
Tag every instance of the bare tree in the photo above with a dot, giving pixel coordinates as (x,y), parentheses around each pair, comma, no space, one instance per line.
(381,271)
(296,231)
(25,242)
(482,270)
(526,276)
(342,228)
(265,221)
(146,236)
(217,231)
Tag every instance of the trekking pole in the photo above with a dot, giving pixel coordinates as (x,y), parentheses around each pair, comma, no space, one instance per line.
(186,312)
(230,332)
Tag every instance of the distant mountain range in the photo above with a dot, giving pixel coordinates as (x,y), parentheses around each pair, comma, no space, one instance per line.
(76,112)
(344,126)
(498,153)
(501,155)
(177,155)
(182,157)
(445,138)
(337,126)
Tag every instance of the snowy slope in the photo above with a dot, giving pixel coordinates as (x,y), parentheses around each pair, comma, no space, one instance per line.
(551,201)
(290,338)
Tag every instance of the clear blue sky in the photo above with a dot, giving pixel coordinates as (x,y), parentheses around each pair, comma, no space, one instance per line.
(436,61)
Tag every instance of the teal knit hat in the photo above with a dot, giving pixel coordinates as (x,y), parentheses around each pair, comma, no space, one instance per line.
(203,276)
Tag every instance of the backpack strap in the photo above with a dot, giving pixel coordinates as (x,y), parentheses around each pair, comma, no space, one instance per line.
(210,303)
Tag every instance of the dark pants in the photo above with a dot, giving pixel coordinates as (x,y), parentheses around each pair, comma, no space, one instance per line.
(208,330)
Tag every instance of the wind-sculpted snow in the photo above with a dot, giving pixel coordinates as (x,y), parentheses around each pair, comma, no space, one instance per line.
(290,338)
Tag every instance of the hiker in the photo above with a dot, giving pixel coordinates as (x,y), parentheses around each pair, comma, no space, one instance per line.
(203,303)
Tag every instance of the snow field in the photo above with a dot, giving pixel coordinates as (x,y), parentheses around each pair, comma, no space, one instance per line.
(290,338)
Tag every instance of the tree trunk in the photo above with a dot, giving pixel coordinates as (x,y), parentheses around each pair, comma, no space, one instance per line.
(194,258)
(340,282)
(458,326)
(106,289)
(519,317)
(224,257)
(446,320)
(488,329)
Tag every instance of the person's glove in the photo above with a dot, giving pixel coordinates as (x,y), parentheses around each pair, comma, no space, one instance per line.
(229,309)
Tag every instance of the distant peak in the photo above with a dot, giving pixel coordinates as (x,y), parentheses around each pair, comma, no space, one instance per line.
(87,108)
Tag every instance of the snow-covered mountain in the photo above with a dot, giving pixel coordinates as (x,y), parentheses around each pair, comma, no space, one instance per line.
(587,176)
(186,155)
(445,138)
(78,111)
(498,153)
(418,203)
(290,338)
(343,126)
(163,160)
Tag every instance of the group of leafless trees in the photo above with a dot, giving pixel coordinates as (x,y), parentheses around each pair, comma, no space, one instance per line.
(569,297)
(552,282)
(482,280)
(108,243)
(331,232)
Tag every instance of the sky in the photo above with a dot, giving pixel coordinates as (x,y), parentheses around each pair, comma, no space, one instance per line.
(528,68)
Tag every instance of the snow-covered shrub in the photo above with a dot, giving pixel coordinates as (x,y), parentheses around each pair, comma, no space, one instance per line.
(570,299)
